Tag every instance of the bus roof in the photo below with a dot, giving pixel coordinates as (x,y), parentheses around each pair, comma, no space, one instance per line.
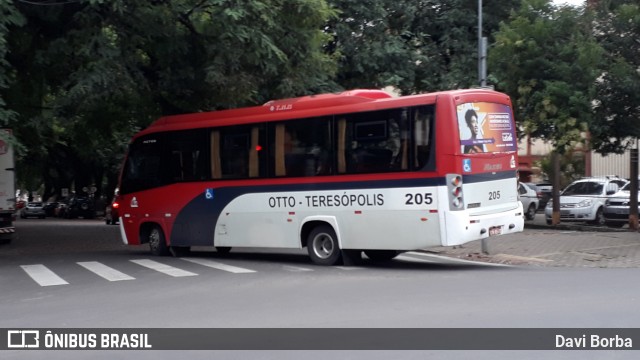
(304,107)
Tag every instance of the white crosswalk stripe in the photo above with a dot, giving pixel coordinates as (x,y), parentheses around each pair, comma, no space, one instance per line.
(105,271)
(46,277)
(295,268)
(42,275)
(218,265)
(163,268)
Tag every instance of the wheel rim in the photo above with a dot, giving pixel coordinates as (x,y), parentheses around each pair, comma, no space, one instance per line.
(154,239)
(530,212)
(323,246)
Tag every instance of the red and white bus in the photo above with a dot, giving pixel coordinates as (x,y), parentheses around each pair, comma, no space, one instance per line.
(336,173)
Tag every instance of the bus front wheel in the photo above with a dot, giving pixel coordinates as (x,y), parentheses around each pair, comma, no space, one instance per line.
(157,242)
(322,245)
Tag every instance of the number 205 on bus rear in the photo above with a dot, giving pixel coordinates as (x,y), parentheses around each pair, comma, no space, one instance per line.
(337,174)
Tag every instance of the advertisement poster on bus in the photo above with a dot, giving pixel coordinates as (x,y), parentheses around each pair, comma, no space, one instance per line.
(486,127)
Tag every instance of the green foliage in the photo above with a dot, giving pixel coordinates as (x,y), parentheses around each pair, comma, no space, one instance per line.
(618,89)
(571,167)
(88,74)
(77,79)
(9,16)
(547,59)
(415,46)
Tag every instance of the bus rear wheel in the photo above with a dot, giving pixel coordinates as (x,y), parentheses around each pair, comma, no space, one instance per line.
(322,245)
(157,242)
(381,255)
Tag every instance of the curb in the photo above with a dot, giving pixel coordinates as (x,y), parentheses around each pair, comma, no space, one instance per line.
(576,227)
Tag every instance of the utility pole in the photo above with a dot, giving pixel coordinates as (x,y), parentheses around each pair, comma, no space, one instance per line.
(633,193)
(482,50)
(555,194)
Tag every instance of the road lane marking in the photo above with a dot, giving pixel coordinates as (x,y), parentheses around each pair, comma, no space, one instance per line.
(105,271)
(295,268)
(349,267)
(42,275)
(163,268)
(219,266)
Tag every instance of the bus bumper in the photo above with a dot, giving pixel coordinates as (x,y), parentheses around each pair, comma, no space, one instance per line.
(461,227)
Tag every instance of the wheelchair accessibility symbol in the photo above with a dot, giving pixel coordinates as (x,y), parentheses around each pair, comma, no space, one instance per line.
(208,194)
(466,165)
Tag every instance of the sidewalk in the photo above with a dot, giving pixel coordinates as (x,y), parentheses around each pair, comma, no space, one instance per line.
(566,245)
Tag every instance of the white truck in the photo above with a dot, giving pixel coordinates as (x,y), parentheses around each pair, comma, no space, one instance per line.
(7,188)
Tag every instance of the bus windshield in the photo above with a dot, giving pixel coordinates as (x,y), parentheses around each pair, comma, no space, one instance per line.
(486,128)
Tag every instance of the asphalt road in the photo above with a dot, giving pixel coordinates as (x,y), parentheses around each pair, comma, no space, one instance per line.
(283,289)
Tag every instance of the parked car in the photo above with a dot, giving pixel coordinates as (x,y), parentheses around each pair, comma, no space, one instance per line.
(61,209)
(529,199)
(544,190)
(584,199)
(616,208)
(50,208)
(111,214)
(80,206)
(32,209)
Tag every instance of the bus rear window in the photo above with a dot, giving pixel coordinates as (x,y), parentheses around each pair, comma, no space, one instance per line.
(486,127)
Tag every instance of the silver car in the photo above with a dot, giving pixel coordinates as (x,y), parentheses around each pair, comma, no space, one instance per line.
(584,199)
(33,209)
(529,199)
(616,208)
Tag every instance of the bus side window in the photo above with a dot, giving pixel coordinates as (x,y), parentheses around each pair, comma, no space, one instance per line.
(372,141)
(216,162)
(422,124)
(236,152)
(302,147)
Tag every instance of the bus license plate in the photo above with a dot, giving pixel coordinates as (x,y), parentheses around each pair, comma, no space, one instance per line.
(495,230)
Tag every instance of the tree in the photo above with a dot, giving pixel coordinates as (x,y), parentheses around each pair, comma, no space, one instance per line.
(618,88)
(547,60)
(90,73)
(9,16)
(415,46)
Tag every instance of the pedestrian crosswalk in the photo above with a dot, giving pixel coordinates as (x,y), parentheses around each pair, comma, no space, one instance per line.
(219,266)
(45,276)
(163,268)
(177,268)
(104,271)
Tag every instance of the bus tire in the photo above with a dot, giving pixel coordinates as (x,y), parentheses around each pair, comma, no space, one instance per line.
(531,212)
(157,241)
(381,255)
(322,246)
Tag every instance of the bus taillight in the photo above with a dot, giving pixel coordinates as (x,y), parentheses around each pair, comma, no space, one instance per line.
(454,185)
